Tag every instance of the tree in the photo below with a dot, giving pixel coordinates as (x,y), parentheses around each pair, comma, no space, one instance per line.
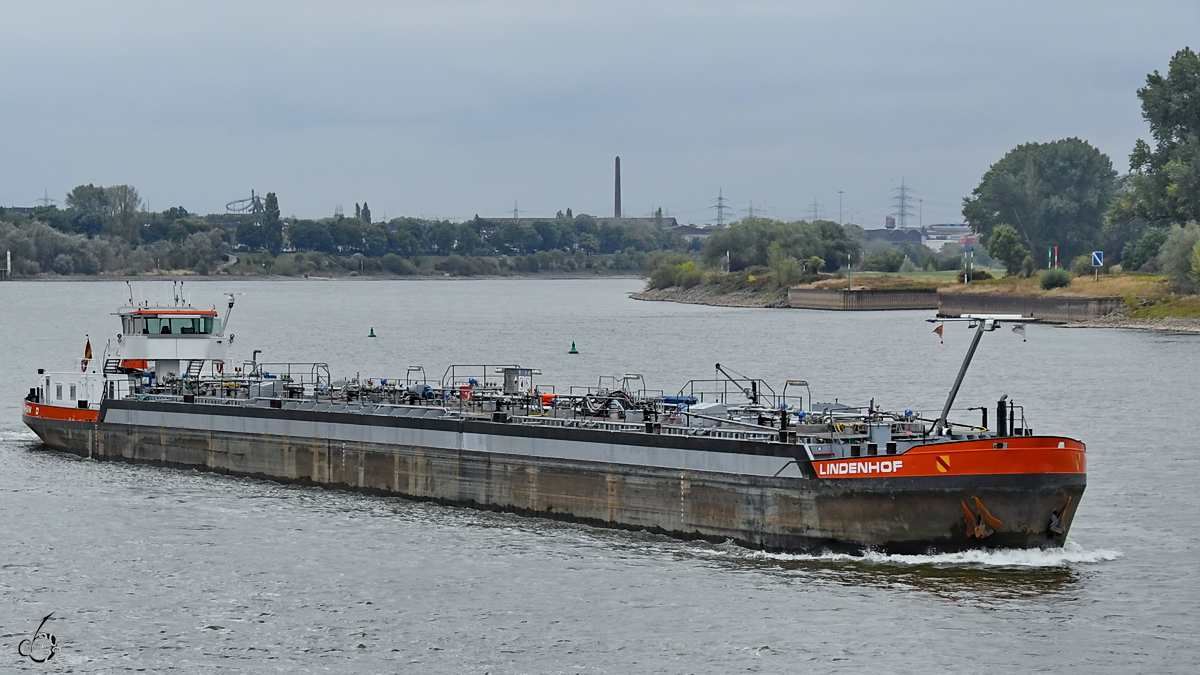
(90,205)
(785,267)
(272,227)
(250,234)
(88,199)
(1138,252)
(366,214)
(747,243)
(124,205)
(402,241)
(520,237)
(311,235)
(1167,178)
(442,235)
(1053,194)
(375,240)
(589,243)
(1005,245)
(1177,257)
(549,232)
(883,261)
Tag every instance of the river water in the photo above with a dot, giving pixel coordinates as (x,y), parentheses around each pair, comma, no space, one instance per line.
(181,571)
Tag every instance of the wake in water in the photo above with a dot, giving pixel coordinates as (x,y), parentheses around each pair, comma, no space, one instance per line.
(1070,554)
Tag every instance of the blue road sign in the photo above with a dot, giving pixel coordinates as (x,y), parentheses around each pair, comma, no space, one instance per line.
(1097,258)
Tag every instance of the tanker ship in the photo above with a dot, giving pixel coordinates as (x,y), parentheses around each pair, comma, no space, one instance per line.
(724,458)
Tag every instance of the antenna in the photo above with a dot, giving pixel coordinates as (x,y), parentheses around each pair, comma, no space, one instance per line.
(902,200)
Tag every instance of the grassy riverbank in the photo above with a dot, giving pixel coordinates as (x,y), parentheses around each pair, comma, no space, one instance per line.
(1148,300)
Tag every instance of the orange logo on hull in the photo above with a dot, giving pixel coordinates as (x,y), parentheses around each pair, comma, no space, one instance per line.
(943,463)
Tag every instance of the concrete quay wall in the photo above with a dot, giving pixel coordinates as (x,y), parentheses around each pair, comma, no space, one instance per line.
(862,300)
(1051,309)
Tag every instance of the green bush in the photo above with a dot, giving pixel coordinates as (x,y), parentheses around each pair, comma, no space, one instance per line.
(397,265)
(884,261)
(1175,258)
(667,272)
(1136,253)
(976,275)
(688,275)
(1005,245)
(1055,278)
(1028,267)
(1081,266)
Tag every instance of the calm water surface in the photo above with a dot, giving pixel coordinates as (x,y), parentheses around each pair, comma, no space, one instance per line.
(179,571)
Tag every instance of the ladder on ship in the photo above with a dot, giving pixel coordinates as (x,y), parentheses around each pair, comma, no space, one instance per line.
(194,367)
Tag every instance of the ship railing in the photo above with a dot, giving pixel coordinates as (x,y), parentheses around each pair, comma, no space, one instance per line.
(579,423)
(316,374)
(725,391)
(213,400)
(577,391)
(160,398)
(607,425)
(460,374)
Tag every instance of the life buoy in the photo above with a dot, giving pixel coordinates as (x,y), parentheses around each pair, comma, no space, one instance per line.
(220,366)
(465,394)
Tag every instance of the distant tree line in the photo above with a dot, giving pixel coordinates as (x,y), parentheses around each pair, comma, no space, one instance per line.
(478,237)
(763,254)
(105,229)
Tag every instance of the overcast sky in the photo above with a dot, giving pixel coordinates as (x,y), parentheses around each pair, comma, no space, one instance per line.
(452,109)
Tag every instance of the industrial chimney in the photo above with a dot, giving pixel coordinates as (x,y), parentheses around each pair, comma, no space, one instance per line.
(617,198)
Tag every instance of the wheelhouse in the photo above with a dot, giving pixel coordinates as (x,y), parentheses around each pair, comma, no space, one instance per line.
(149,322)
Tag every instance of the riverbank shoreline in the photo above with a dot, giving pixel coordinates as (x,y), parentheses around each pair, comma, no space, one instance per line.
(702,295)
(548,276)
(706,295)
(1121,319)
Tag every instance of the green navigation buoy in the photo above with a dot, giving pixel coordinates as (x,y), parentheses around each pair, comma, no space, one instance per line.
(573,350)
(372,332)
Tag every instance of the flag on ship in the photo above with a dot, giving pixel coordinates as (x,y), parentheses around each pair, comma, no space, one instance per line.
(938,330)
(87,353)
(1019,328)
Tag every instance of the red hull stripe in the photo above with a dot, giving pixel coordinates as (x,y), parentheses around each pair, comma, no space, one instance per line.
(60,413)
(1025,455)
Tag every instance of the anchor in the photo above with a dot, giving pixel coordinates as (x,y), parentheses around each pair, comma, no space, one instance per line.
(1057,526)
(983,526)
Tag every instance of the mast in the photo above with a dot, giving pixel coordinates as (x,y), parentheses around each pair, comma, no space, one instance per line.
(982,323)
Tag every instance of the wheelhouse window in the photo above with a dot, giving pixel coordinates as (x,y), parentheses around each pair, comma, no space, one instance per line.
(168,325)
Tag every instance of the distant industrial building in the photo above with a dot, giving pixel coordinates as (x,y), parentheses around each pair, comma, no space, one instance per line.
(932,236)
(667,223)
(693,232)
